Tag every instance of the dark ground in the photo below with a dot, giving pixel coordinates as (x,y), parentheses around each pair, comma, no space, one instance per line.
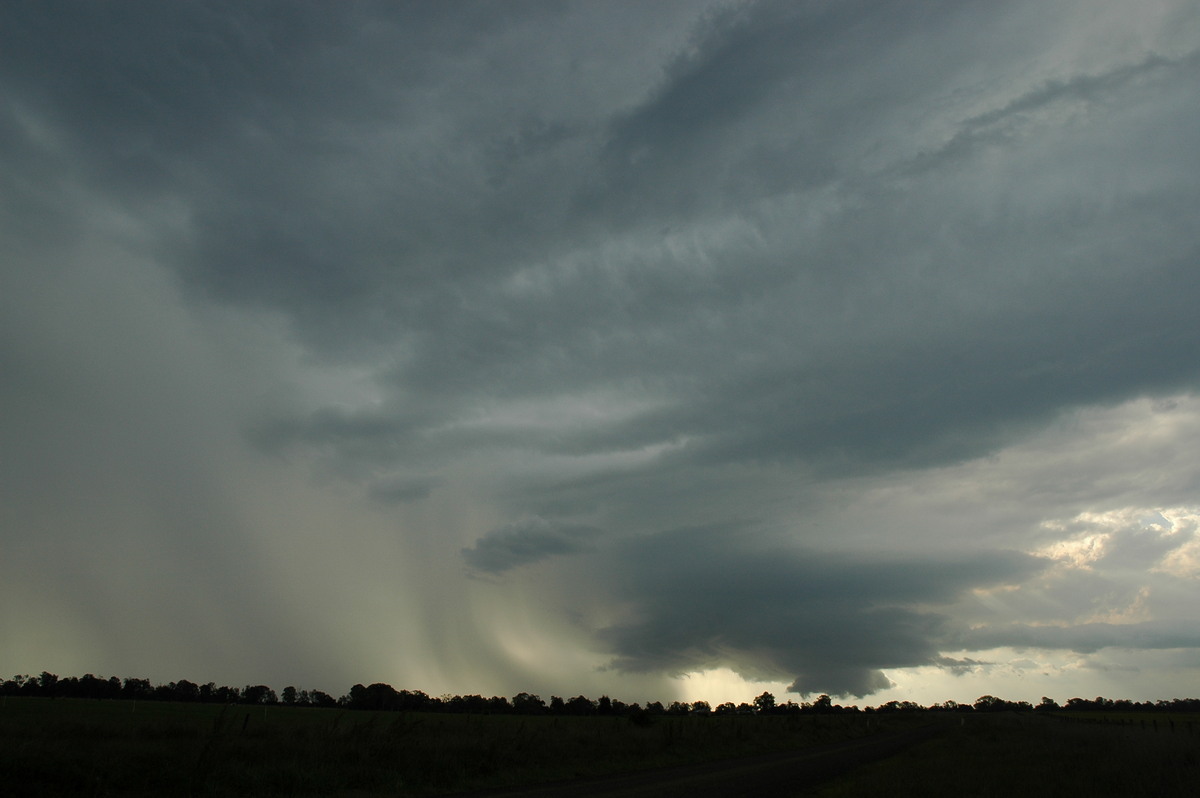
(778,774)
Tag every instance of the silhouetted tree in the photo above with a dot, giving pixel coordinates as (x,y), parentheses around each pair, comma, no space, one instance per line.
(136,688)
(258,694)
(186,691)
(528,704)
(988,703)
(764,703)
(413,701)
(321,699)
(227,695)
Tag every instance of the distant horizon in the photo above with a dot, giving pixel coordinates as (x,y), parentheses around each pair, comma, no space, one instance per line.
(12,687)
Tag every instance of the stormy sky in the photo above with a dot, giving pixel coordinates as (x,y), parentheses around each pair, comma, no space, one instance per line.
(658,350)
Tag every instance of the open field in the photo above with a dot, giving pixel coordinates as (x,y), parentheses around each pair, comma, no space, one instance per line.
(1092,754)
(125,748)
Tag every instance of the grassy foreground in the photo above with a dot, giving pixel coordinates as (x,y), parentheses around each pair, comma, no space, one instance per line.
(123,748)
(1031,755)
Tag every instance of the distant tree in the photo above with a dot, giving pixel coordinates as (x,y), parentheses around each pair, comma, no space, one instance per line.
(48,683)
(258,694)
(580,705)
(764,703)
(823,704)
(728,708)
(678,708)
(94,687)
(289,695)
(638,716)
(227,695)
(701,708)
(136,688)
(13,686)
(528,704)
(988,703)
(187,691)
(413,701)
(378,696)
(557,705)
(466,704)
(320,699)
(382,696)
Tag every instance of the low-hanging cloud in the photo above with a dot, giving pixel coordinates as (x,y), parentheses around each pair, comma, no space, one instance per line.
(828,622)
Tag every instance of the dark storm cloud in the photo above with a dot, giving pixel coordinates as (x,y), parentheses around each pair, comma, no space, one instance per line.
(299,201)
(305,189)
(644,264)
(827,622)
(526,542)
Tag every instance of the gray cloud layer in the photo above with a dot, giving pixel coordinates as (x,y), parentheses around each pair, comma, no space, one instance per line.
(429,271)
(826,622)
(526,542)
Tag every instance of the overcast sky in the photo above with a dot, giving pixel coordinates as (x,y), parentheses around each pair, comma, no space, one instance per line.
(663,350)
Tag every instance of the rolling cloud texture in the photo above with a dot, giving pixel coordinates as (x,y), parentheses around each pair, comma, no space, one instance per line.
(574,347)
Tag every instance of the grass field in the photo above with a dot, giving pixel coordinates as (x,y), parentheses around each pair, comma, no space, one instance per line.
(122,748)
(74,747)
(1092,754)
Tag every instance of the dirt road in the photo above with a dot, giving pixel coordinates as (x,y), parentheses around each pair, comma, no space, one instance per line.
(786,773)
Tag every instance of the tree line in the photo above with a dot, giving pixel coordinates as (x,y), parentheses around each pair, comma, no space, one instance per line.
(384,697)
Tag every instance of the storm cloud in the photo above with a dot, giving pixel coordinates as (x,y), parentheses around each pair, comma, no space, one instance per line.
(526,542)
(601,345)
(825,622)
